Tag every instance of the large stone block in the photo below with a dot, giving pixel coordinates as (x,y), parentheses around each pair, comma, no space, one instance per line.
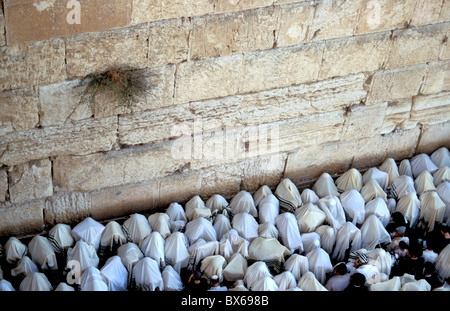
(426,12)
(431,109)
(96,52)
(30,181)
(433,137)
(364,121)
(2,26)
(18,110)
(23,219)
(380,15)
(396,83)
(416,45)
(232,33)
(445,50)
(346,56)
(3,185)
(294,24)
(31,20)
(240,5)
(67,207)
(444,15)
(83,137)
(334,19)
(31,64)
(398,116)
(437,78)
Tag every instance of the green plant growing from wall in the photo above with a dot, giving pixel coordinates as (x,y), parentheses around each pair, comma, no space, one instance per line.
(124,86)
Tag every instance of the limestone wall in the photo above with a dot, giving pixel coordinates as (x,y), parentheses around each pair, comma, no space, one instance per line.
(258,90)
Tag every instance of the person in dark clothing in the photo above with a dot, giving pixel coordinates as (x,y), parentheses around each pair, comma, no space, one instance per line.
(414,263)
(357,283)
(196,283)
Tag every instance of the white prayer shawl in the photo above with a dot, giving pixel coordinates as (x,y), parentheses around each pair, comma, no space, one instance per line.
(351,179)
(35,282)
(171,279)
(235,242)
(6,286)
(60,236)
(373,233)
(268,230)
(146,275)
(391,205)
(390,167)
(213,265)
(310,241)
(84,254)
(348,236)
(235,268)
(153,246)
(266,284)
(443,191)
(327,237)
(200,228)
(200,250)
(372,190)
(243,203)
(401,186)
(332,207)
(92,280)
(42,253)
(309,217)
(130,254)
(381,259)
(409,207)
(64,287)
(216,203)
(160,222)
(113,235)
(393,285)
(24,267)
(285,281)
(115,274)
(422,162)
(255,272)
(309,196)
(308,282)
(221,225)
(176,251)
(416,286)
(15,250)
(324,186)
(136,228)
(441,175)
(441,157)
(260,194)
(319,264)
(297,265)
(432,209)
(268,209)
(288,195)
(196,208)
(338,283)
(246,225)
(424,182)
(268,250)
(90,231)
(354,205)
(378,207)
(443,262)
(289,231)
(177,217)
(405,168)
(382,178)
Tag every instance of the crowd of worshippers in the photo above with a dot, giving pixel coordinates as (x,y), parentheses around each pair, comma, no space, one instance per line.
(386,229)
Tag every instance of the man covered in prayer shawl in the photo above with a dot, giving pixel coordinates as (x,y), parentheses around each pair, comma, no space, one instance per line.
(360,263)
(341,278)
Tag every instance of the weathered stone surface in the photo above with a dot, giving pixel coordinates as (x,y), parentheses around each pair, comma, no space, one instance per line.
(67,207)
(431,109)
(445,11)
(83,137)
(18,110)
(294,24)
(30,181)
(380,15)
(426,12)
(334,19)
(416,45)
(437,78)
(356,123)
(232,33)
(433,137)
(91,53)
(398,116)
(239,5)
(266,170)
(445,50)
(168,42)
(2,26)
(30,20)
(397,83)
(19,220)
(31,64)
(346,56)
(3,185)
